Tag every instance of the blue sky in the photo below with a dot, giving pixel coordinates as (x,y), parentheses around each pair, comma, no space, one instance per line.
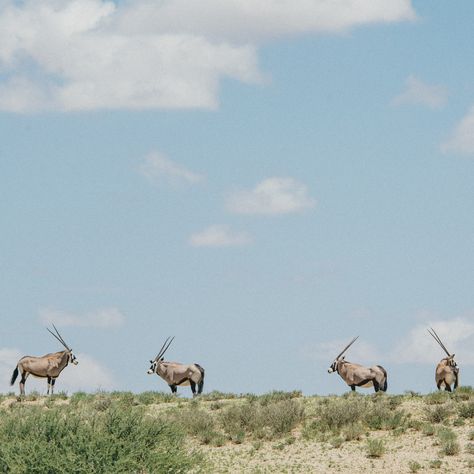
(263,180)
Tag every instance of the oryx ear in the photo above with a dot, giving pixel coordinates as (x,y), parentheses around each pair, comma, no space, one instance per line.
(162,359)
(343,357)
(151,361)
(452,357)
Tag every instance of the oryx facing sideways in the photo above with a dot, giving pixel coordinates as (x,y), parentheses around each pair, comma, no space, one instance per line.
(176,374)
(356,375)
(447,371)
(48,366)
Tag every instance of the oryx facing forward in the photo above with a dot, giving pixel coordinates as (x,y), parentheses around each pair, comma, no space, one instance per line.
(176,374)
(356,375)
(447,371)
(48,366)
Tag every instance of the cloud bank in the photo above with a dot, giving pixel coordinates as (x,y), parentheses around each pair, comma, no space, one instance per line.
(462,137)
(79,55)
(417,92)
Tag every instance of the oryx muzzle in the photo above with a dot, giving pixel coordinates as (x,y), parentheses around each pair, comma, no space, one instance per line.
(176,374)
(447,371)
(356,375)
(48,366)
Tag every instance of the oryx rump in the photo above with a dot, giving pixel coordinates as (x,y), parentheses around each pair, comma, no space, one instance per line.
(447,371)
(48,366)
(176,374)
(356,375)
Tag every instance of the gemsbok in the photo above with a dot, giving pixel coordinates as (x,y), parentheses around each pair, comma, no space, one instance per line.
(176,374)
(447,371)
(48,366)
(356,375)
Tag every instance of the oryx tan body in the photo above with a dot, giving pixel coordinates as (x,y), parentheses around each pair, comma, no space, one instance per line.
(356,375)
(176,374)
(48,366)
(447,371)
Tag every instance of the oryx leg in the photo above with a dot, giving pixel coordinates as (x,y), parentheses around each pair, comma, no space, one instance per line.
(193,387)
(447,387)
(24,376)
(53,381)
(174,388)
(49,385)
(353,387)
(376,385)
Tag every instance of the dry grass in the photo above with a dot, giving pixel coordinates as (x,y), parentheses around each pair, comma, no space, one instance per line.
(286,432)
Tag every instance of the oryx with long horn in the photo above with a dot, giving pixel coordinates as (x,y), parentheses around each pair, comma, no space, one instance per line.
(176,374)
(356,375)
(447,371)
(48,366)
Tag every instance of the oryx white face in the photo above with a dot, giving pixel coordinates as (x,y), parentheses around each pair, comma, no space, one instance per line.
(154,366)
(334,365)
(73,358)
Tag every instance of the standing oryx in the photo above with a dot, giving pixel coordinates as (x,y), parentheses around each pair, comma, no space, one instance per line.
(174,373)
(48,366)
(356,375)
(447,371)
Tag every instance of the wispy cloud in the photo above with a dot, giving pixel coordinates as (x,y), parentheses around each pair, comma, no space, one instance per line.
(157,167)
(418,346)
(101,318)
(462,137)
(272,196)
(417,92)
(94,54)
(219,236)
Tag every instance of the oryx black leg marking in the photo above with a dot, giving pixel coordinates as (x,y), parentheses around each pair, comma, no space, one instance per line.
(53,381)
(173,388)
(353,387)
(193,387)
(24,376)
(49,384)
(376,386)
(447,387)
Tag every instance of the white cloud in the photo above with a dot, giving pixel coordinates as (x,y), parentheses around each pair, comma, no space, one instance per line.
(462,137)
(419,347)
(418,92)
(272,196)
(250,20)
(88,375)
(75,55)
(219,236)
(360,352)
(102,318)
(157,167)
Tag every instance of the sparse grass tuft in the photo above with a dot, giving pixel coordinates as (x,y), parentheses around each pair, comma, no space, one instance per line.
(375,448)
(448,442)
(414,466)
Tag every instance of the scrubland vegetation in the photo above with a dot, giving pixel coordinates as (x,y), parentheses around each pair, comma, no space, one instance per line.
(152,432)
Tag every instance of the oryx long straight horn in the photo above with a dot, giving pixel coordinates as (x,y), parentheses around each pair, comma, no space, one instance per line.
(447,370)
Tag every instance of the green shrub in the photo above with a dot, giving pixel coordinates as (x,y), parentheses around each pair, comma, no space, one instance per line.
(414,466)
(63,439)
(448,442)
(466,410)
(438,414)
(437,398)
(375,448)
(435,464)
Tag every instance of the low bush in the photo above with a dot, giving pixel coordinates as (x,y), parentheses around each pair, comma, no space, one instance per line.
(375,448)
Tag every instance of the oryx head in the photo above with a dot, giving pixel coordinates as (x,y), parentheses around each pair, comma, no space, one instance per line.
(450,359)
(333,367)
(159,358)
(71,357)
